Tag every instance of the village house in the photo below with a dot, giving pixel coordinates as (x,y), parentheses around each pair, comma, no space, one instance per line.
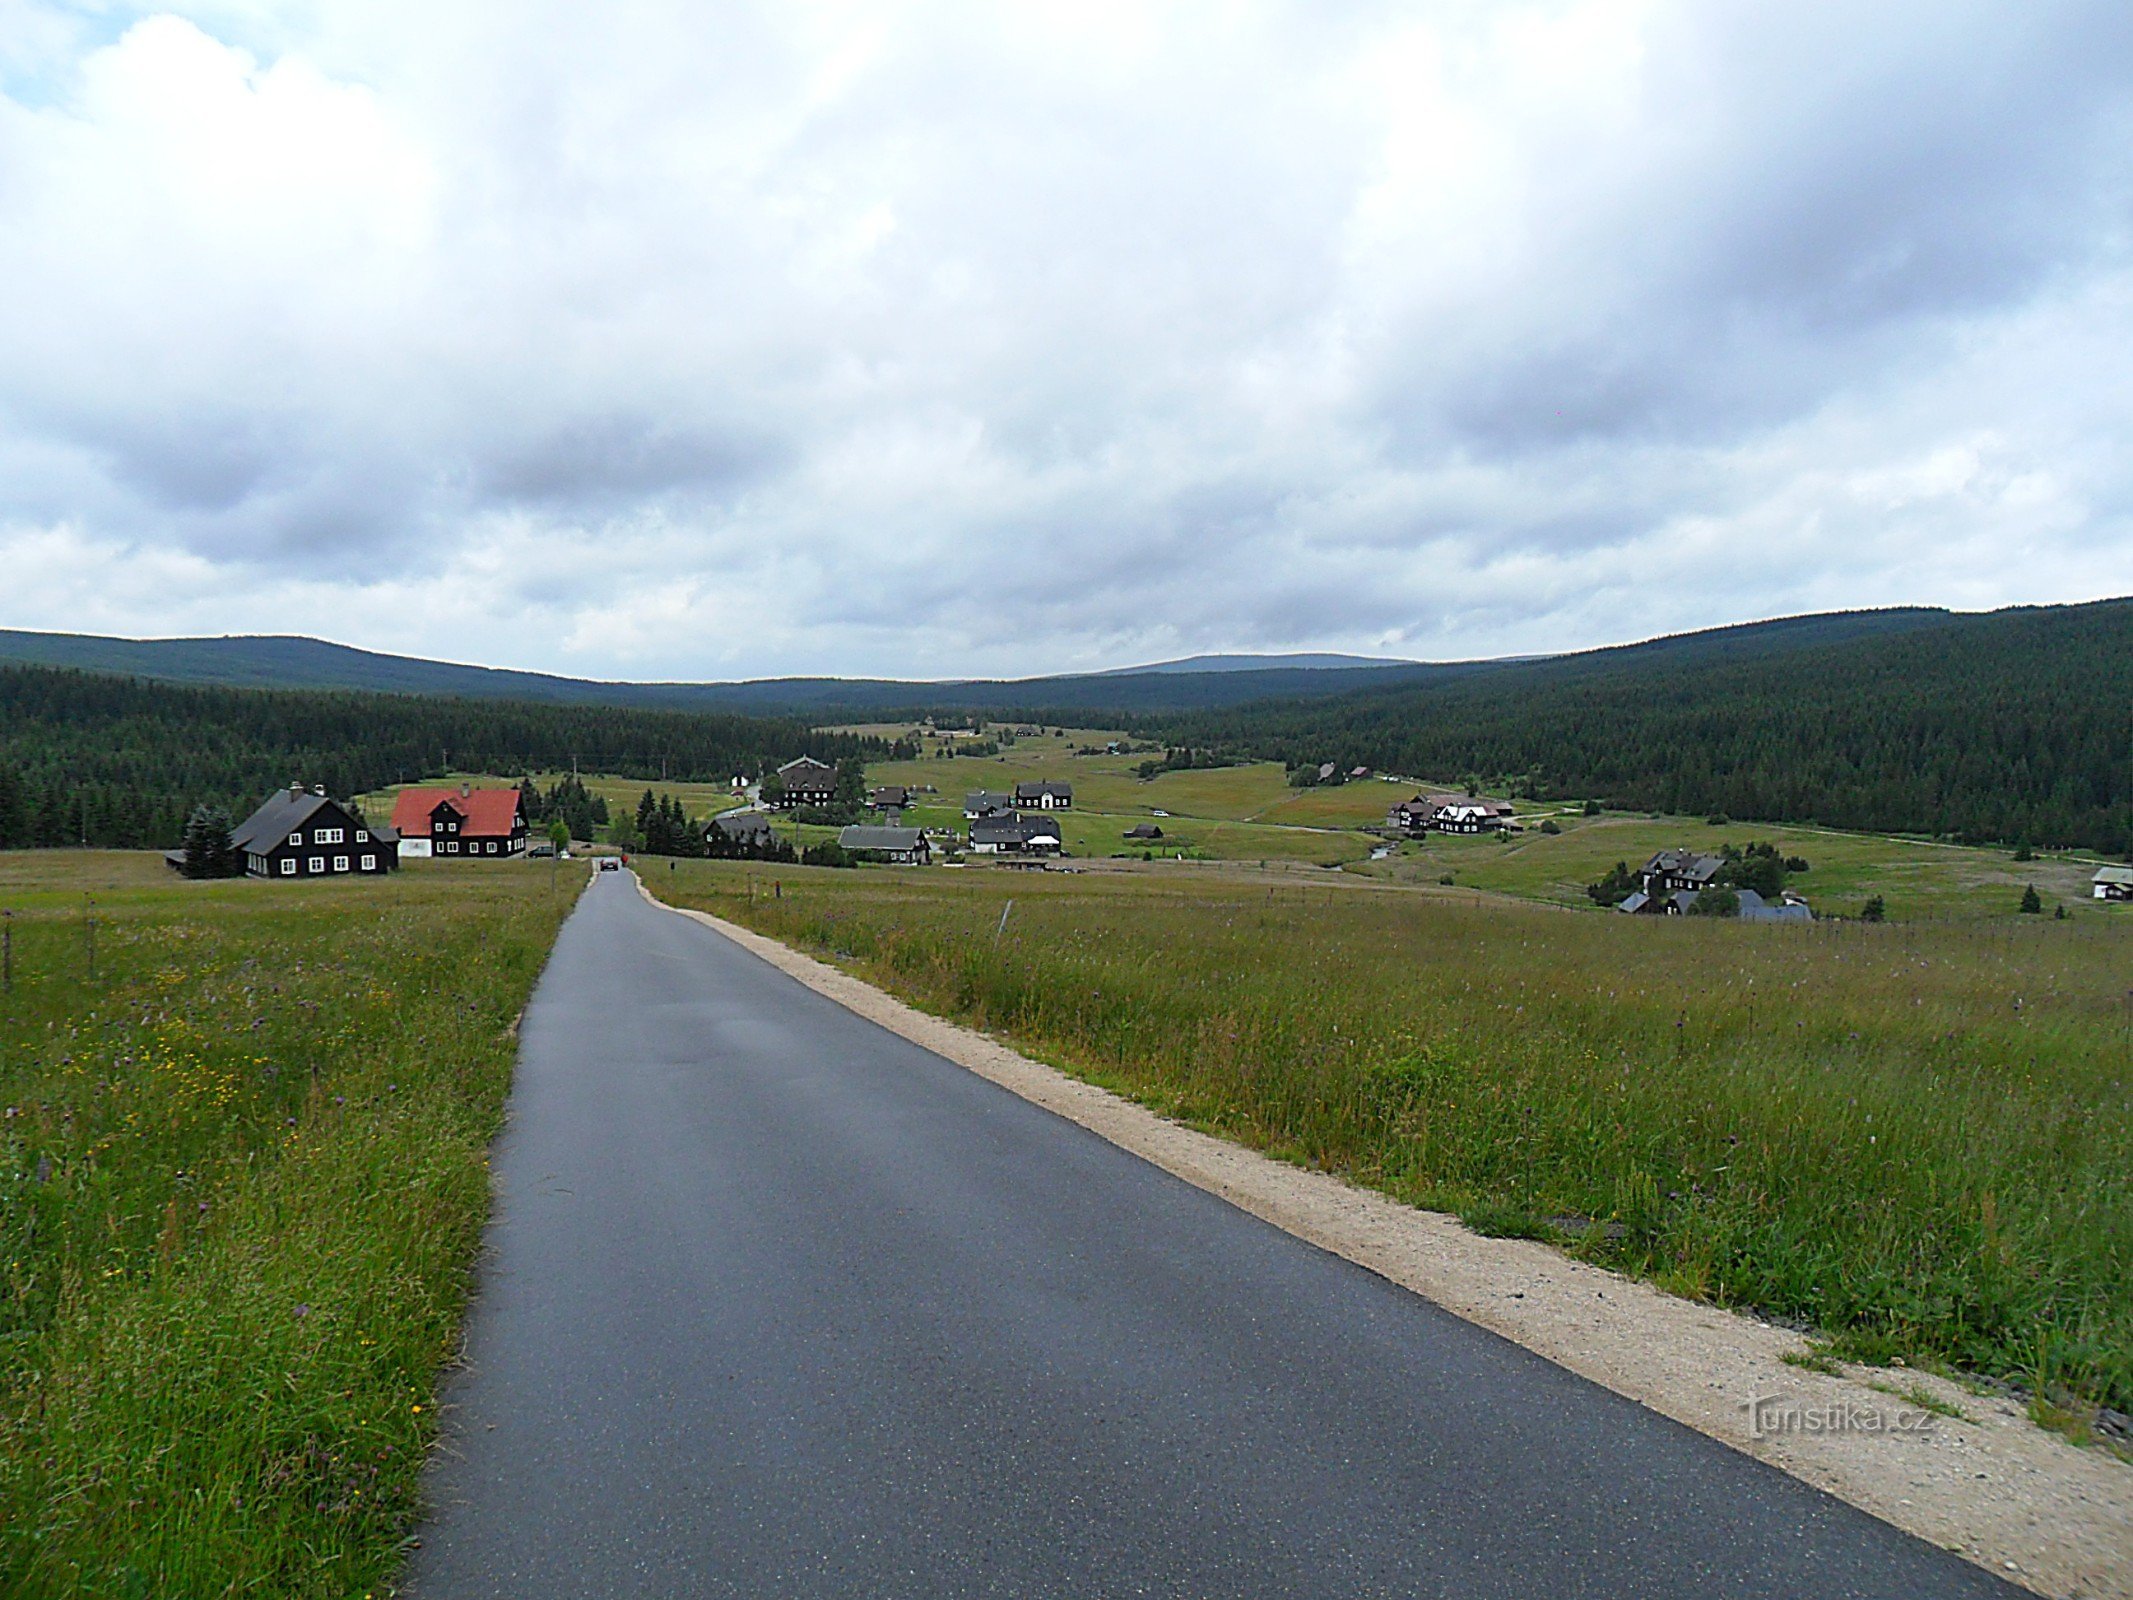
(808,782)
(1013,834)
(1144,830)
(984,803)
(460,822)
(1045,795)
(1419,815)
(905,846)
(1752,906)
(1672,872)
(890,797)
(1474,816)
(299,833)
(750,828)
(2113,883)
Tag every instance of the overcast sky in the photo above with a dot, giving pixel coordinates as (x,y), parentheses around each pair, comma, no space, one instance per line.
(697,339)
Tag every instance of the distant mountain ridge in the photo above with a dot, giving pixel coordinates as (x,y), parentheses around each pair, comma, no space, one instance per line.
(1311,661)
(289,661)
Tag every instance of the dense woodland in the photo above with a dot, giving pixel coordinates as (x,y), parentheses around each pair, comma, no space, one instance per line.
(118,762)
(2015,727)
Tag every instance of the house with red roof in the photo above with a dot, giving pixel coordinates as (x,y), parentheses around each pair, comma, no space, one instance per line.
(465,821)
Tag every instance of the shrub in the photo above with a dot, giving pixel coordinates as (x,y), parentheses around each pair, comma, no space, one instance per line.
(1875,910)
(2032,902)
(1619,884)
(1715,902)
(1551,826)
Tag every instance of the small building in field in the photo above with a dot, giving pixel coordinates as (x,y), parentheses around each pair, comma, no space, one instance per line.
(2113,883)
(300,833)
(1788,908)
(1144,830)
(904,846)
(985,803)
(489,823)
(1045,795)
(1359,774)
(808,782)
(1014,835)
(890,797)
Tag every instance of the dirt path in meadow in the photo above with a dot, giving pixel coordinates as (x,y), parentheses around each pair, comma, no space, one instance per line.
(1991,1486)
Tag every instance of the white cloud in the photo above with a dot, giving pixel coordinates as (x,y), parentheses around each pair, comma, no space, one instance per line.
(667,340)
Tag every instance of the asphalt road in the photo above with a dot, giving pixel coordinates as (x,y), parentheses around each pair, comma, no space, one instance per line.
(782,1305)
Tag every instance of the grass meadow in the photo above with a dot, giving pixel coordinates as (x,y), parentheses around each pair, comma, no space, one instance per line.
(1911,1138)
(243,1175)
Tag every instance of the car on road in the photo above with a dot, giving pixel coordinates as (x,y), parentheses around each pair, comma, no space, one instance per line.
(610,864)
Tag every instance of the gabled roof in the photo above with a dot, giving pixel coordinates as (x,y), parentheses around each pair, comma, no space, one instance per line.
(1037,789)
(2113,875)
(988,800)
(1012,829)
(482,811)
(860,836)
(280,815)
(1690,864)
(805,767)
(742,824)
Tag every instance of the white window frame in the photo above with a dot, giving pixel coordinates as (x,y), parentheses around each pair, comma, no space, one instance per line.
(362,837)
(340,863)
(288,866)
(369,863)
(451,847)
(327,836)
(318,863)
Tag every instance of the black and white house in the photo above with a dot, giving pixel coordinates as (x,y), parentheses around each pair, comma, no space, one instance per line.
(301,833)
(1672,872)
(808,782)
(1045,795)
(985,803)
(1014,835)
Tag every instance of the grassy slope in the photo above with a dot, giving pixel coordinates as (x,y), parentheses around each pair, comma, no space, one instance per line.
(1245,813)
(1919,879)
(1913,1137)
(242,1174)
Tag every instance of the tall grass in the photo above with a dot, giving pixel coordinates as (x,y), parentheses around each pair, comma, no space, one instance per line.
(1915,1139)
(242,1177)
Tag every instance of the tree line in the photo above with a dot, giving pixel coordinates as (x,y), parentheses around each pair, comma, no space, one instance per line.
(117,762)
(2006,727)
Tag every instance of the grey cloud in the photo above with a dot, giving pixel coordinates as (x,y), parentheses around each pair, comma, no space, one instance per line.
(990,339)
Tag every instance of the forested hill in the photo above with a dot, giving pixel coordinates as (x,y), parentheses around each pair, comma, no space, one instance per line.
(116,761)
(2012,725)
(289,662)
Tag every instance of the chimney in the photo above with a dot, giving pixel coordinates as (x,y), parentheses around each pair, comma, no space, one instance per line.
(318,789)
(465,789)
(296,788)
